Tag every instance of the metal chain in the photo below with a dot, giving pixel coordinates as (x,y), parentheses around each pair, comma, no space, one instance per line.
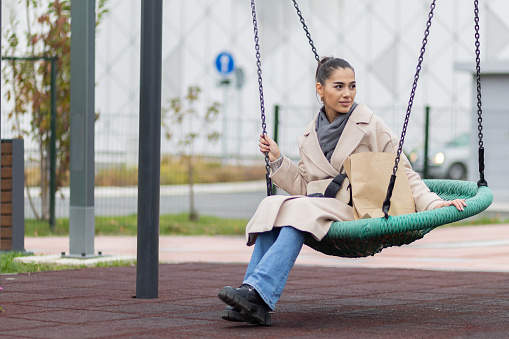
(305,27)
(260,88)
(414,87)
(482,181)
(387,201)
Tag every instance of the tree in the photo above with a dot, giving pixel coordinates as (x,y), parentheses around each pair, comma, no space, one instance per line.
(174,114)
(47,33)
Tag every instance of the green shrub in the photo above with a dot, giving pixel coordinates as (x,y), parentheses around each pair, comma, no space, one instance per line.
(170,224)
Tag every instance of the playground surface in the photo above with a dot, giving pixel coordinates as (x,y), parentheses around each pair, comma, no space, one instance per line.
(454,283)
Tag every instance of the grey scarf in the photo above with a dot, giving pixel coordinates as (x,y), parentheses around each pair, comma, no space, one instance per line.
(329,133)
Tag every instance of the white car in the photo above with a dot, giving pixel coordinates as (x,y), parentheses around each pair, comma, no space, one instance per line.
(447,161)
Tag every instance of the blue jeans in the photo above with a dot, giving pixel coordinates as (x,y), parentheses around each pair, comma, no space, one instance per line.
(273,257)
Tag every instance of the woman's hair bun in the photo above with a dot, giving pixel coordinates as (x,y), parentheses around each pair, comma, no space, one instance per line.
(327,65)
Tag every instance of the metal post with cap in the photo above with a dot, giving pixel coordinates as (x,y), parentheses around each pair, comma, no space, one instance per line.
(82,116)
(149,159)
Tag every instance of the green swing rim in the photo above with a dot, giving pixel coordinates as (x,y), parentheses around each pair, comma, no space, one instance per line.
(366,237)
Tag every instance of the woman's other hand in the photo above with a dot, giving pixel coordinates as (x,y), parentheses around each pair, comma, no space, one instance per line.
(267,145)
(458,203)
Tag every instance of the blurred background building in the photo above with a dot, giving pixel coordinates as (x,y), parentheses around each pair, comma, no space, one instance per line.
(380,38)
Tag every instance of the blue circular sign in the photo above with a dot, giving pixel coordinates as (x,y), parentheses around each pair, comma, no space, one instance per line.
(224,63)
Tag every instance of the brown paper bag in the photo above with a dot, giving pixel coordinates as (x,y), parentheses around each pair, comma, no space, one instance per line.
(369,174)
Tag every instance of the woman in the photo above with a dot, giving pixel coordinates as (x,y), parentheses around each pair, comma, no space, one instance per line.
(281,223)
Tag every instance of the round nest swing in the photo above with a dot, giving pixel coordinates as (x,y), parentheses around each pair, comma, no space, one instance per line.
(366,237)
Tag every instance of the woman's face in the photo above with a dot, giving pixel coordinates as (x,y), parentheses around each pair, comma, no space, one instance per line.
(338,93)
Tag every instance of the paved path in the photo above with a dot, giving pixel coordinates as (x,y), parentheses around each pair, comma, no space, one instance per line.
(477,248)
(454,283)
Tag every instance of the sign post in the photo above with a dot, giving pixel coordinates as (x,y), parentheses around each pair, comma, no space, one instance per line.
(225,65)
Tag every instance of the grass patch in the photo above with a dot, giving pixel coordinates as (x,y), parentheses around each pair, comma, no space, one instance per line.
(169,224)
(179,224)
(9,265)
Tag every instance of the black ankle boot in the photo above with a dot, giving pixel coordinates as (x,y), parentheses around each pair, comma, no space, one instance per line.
(231,313)
(247,299)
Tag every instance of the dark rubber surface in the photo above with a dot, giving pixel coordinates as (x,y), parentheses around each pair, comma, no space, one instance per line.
(317,302)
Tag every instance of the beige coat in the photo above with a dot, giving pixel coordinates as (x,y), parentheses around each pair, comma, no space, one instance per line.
(364,132)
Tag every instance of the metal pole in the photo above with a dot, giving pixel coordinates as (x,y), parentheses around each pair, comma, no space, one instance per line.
(276,123)
(425,171)
(149,160)
(82,158)
(224,157)
(53,149)
(276,137)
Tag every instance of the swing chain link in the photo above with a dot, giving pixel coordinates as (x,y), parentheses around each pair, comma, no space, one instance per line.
(414,87)
(387,201)
(260,88)
(478,70)
(305,27)
(482,181)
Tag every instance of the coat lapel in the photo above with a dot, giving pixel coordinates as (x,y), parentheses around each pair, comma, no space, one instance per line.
(311,149)
(352,135)
(349,141)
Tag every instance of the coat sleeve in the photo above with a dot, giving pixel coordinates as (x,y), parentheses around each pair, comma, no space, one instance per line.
(290,177)
(424,198)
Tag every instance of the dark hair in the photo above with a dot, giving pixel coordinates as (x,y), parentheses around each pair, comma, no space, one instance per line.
(327,65)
